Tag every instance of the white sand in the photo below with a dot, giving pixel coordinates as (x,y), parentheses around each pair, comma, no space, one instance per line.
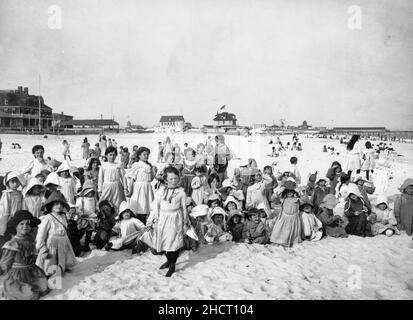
(352,268)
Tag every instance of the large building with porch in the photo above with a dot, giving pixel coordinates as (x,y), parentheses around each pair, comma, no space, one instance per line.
(172,122)
(19,111)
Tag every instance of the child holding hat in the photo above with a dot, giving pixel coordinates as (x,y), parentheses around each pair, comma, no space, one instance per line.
(384,220)
(216,229)
(23,279)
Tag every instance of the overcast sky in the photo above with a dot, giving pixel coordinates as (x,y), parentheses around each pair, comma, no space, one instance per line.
(265,60)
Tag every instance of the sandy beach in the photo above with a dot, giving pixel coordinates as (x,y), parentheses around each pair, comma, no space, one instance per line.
(352,268)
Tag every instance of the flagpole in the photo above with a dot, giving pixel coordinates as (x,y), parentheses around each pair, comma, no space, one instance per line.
(40,128)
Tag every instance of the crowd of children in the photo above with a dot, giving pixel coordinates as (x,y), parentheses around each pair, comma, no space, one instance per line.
(50,206)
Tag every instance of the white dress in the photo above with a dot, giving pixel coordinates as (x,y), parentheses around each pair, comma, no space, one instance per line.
(68,188)
(110,183)
(169,217)
(369,162)
(128,231)
(311,226)
(199,193)
(33,204)
(142,196)
(52,238)
(34,167)
(354,158)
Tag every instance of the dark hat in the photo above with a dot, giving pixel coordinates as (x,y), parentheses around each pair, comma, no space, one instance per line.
(313,177)
(289,185)
(18,217)
(321,179)
(55,196)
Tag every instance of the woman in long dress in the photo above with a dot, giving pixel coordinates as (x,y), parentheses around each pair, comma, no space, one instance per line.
(111,182)
(168,221)
(103,144)
(354,155)
(140,176)
(85,149)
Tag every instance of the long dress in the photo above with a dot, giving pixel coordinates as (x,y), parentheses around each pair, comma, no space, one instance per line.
(357,223)
(68,188)
(85,150)
(403,211)
(52,238)
(103,145)
(169,217)
(311,226)
(110,183)
(354,158)
(94,176)
(287,229)
(24,280)
(369,162)
(187,176)
(142,196)
(198,185)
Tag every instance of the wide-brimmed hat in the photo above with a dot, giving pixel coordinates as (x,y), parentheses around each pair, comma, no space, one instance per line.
(199,211)
(406,183)
(63,167)
(321,179)
(234,213)
(87,187)
(32,182)
(217,211)
(56,196)
(52,178)
(232,199)
(329,202)
(13,174)
(123,207)
(18,217)
(226,184)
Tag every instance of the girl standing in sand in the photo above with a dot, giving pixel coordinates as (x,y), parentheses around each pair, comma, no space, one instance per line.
(85,149)
(368,156)
(52,241)
(92,171)
(111,183)
(66,150)
(287,229)
(103,144)
(168,221)
(140,176)
(354,155)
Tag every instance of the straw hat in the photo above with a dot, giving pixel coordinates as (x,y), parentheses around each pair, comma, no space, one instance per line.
(13,174)
(87,187)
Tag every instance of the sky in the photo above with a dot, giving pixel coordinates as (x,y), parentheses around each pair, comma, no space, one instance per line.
(265,60)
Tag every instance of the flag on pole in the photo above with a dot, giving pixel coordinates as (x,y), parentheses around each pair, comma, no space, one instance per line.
(223,107)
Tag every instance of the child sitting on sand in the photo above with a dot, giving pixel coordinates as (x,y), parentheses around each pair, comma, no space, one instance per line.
(384,220)
(235,225)
(128,229)
(333,224)
(105,223)
(356,211)
(73,232)
(254,230)
(403,207)
(198,218)
(312,226)
(216,229)
(24,280)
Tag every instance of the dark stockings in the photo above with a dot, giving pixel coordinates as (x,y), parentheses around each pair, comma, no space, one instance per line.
(170,263)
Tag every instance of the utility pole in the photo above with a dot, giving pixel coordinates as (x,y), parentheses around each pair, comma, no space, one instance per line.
(40,125)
